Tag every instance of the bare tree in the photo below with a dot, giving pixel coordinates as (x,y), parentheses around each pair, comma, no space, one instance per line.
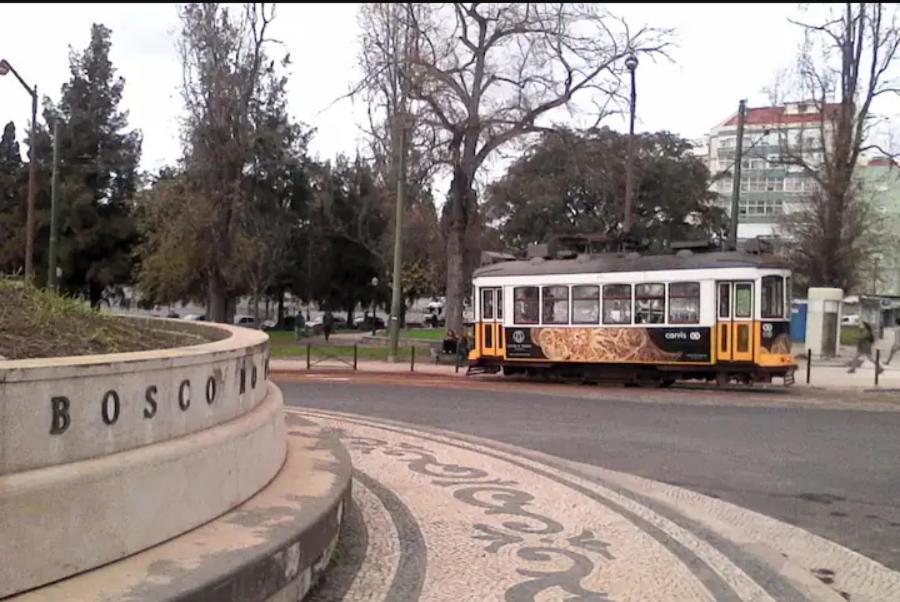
(844,67)
(491,73)
(223,58)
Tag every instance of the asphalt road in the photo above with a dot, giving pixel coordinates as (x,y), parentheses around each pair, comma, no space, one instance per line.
(835,472)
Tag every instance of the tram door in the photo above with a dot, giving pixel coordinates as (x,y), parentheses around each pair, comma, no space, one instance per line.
(492,321)
(734,330)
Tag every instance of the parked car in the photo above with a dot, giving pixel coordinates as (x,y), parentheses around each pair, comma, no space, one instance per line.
(316,323)
(269,324)
(851,320)
(245,321)
(365,323)
(195,317)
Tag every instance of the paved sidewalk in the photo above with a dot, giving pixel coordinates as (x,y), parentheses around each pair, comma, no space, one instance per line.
(442,516)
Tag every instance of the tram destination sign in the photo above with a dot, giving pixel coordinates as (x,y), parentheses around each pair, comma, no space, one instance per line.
(610,344)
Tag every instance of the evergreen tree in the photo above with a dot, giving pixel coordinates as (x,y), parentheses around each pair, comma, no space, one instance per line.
(97,173)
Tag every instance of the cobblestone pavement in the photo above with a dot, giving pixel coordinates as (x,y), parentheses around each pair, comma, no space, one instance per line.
(444,516)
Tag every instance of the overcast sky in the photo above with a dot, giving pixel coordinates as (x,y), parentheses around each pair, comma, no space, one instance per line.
(723,53)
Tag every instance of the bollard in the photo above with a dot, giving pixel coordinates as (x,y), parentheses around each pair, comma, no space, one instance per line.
(307,356)
(877,365)
(808,364)
(355,354)
(412,358)
(457,360)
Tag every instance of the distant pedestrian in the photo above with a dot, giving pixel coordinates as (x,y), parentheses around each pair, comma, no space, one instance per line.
(327,324)
(896,346)
(864,349)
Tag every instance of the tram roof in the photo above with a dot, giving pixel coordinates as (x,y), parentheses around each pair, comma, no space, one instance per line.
(614,262)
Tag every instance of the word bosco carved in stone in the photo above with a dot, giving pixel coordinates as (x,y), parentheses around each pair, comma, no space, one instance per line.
(111,402)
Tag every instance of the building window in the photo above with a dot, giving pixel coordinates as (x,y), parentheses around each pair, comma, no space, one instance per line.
(585,304)
(617,304)
(527,305)
(684,303)
(772,297)
(650,303)
(726,142)
(555,305)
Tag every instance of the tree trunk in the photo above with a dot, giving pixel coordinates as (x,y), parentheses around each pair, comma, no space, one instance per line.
(456,284)
(95,294)
(280,319)
(459,266)
(218,299)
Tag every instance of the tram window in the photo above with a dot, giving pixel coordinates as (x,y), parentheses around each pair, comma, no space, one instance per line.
(772,297)
(617,304)
(650,303)
(724,300)
(684,303)
(500,304)
(487,304)
(585,304)
(556,305)
(743,300)
(526,304)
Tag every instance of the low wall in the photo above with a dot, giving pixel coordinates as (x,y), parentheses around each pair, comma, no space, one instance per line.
(104,456)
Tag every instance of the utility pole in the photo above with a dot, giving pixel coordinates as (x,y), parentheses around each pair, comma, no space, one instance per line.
(397,293)
(631,63)
(736,184)
(54,207)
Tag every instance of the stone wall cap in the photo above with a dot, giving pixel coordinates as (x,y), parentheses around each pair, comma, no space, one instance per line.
(237,341)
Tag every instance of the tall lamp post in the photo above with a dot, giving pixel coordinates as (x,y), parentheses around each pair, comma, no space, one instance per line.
(631,64)
(5,68)
(374,287)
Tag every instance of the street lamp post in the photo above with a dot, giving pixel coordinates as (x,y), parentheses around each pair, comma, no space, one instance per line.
(374,286)
(5,68)
(631,64)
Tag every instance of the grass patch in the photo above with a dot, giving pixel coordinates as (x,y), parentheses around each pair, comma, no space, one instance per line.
(39,323)
(423,334)
(286,347)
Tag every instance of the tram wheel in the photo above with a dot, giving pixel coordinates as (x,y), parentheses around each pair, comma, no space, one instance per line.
(666,383)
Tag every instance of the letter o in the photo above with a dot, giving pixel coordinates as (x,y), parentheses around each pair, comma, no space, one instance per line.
(108,418)
(184,401)
(210,390)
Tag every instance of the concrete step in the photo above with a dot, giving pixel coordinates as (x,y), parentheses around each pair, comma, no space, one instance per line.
(274,546)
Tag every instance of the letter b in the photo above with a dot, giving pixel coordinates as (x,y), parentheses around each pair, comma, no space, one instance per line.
(61,420)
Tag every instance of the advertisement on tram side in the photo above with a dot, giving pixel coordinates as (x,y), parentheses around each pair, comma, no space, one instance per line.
(612,345)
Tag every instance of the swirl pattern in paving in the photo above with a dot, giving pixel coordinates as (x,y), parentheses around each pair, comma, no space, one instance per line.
(449,517)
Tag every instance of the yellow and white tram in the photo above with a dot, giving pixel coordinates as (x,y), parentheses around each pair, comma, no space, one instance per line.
(714,316)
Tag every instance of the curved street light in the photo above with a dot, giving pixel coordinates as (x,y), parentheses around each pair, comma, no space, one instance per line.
(6,67)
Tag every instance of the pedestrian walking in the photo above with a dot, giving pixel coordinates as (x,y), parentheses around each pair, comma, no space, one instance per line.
(864,349)
(896,346)
(327,324)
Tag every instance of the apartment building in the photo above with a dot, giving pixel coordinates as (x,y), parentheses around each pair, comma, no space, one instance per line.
(771,186)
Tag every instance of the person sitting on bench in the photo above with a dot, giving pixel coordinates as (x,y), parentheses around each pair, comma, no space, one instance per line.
(450,342)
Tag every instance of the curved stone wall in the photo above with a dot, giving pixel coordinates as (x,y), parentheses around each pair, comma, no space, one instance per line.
(103,456)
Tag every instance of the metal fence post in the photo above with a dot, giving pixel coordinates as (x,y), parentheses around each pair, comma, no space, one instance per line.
(808,364)
(877,365)
(412,358)
(307,355)
(355,354)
